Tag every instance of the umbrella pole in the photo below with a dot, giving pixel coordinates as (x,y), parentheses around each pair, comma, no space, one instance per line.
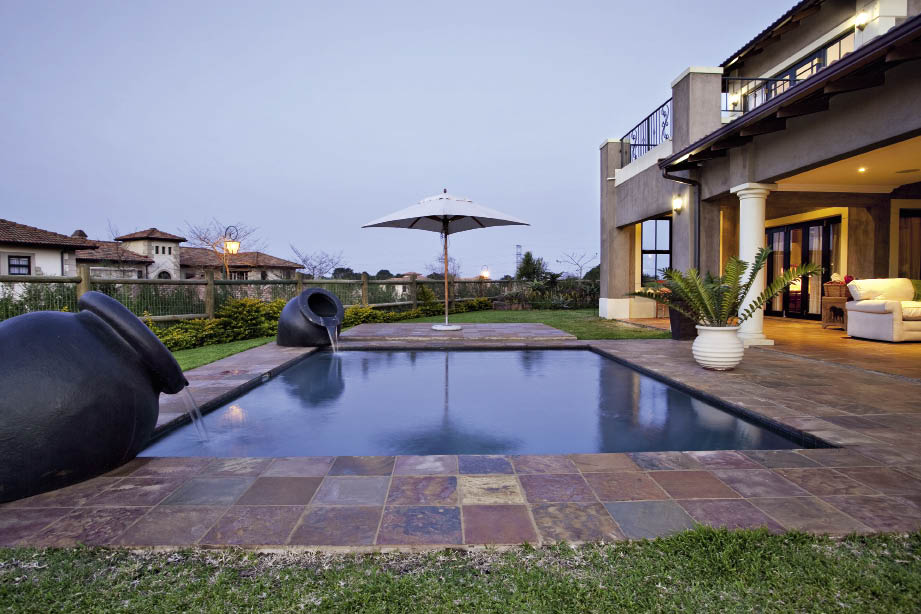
(446,272)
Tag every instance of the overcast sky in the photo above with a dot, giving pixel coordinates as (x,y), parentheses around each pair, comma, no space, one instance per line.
(308,119)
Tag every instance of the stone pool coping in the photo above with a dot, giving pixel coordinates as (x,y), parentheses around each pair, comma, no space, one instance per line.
(871,484)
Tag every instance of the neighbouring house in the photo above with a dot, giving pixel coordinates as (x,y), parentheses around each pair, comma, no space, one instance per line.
(110,259)
(161,247)
(194,261)
(806,140)
(26,250)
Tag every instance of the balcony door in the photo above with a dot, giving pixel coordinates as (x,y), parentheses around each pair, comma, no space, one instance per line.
(793,245)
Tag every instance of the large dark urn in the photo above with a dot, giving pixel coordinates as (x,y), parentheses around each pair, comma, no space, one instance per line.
(307,318)
(79,393)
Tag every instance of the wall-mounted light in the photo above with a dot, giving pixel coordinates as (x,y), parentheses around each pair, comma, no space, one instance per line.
(862,19)
(734,100)
(862,169)
(677,204)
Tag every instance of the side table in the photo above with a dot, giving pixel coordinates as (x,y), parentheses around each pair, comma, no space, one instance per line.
(833,311)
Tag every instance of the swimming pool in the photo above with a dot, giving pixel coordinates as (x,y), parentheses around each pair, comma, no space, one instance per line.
(465,402)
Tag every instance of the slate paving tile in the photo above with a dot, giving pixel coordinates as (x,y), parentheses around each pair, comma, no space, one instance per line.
(498,524)
(18,525)
(420,525)
(300,466)
(483,464)
(808,514)
(780,458)
(548,488)
(172,467)
(852,422)
(839,457)
(603,463)
(97,526)
(130,467)
(489,489)
(624,486)
(575,522)
(759,483)
(532,463)
(423,490)
(826,481)
(663,461)
(338,526)
(729,513)
(913,499)
(69,496)
(172,525)
(724,459)
(890,455)
(649,519)
(365,490)
(131,491)
(885,480)
(912,470)
(275,490)
(880,513)
(435,464)
(209,491)
(250,525)
(244,467)
(692,485)
(362,465)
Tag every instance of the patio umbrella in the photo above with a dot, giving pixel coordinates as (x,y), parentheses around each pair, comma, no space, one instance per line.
(445,214)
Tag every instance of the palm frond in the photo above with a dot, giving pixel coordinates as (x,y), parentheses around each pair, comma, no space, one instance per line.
(776,287)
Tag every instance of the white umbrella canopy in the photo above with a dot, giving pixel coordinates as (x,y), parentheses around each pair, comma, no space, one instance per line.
(445,214)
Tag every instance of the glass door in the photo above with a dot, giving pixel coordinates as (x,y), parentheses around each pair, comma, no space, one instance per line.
(777,241)
(817,242)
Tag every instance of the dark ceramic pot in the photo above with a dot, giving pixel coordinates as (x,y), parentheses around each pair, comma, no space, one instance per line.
(683,327)
(80,394)
(306,319)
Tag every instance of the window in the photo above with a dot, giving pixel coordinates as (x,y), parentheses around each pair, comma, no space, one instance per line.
(839,49)
(164,275)
(20,265)
(656,242)
(156,249)
(170,249)
(263,275)
(238,275)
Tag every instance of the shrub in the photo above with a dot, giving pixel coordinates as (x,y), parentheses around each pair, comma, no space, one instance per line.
(245,318)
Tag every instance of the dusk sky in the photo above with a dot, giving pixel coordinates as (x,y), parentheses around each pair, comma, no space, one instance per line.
(309,119)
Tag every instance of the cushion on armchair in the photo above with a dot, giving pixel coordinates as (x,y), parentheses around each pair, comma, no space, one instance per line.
(896,289)
(911,310)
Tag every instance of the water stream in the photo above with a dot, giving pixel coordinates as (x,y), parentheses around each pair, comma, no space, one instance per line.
(195,415)
(333,332)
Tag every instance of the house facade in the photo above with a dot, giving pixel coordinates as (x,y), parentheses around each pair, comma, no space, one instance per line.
(806,140)
(26,250)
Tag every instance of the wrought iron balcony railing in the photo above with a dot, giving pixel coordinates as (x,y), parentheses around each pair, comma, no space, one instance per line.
(743,94)
(652,131)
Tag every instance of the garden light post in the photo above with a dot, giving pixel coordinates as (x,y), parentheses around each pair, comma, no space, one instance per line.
(231,245)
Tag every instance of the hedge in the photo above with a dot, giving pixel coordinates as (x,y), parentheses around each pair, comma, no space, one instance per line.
(248,318)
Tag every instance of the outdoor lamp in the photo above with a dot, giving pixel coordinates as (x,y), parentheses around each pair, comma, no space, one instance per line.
(484,272)
(231,242)
(862,19)
(677,204)
(734,100)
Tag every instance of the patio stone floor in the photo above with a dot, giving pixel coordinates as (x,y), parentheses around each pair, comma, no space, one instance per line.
(872,483)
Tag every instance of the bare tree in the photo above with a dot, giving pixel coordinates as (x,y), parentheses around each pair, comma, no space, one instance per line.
(437,268)
(318,264)
(225,240)
(577,261)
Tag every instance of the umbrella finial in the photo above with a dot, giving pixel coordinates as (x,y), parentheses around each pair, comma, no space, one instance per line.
(445,191)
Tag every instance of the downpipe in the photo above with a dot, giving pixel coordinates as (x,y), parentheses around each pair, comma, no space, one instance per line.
(696,185)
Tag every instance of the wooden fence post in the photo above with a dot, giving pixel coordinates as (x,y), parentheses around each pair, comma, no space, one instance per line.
(209,294)
(413,290)
(298,284)
(84,285)
(364,289)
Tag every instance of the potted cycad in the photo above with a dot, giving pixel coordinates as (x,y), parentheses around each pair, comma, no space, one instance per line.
(715,304)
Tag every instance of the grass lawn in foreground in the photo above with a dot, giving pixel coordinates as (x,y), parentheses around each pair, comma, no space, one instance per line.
(699,571)
(583,323)
(196,357)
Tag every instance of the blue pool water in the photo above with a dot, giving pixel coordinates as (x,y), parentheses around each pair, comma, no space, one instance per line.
(464,402)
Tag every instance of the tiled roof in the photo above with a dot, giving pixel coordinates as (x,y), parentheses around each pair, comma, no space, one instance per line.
(768,31)
(150,233)
(110,251)
(202,257)
(11,232)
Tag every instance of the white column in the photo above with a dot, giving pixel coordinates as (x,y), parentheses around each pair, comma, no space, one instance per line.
(752,201)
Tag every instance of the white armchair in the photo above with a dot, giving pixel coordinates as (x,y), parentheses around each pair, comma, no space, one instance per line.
(883,309)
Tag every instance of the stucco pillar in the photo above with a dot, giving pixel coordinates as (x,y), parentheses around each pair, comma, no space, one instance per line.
(752,202)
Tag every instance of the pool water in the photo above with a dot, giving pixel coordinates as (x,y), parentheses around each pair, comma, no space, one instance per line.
(464,402)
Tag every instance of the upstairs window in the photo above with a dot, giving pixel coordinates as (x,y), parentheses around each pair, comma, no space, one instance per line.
(156,249)
(656,243)
(20,265)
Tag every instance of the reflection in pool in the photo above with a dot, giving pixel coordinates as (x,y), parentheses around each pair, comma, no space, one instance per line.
(464,402)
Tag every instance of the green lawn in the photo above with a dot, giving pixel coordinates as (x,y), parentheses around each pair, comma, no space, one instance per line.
(698,571)
(196,357)
(583,323)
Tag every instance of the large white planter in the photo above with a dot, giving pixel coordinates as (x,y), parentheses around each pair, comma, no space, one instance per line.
(718,347)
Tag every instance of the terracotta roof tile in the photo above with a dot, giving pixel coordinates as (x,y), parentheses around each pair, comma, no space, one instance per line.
(202,257)
(150,233)
(111,251)
(11,232)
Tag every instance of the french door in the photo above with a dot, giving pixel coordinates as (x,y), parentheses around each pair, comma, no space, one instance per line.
(816,241)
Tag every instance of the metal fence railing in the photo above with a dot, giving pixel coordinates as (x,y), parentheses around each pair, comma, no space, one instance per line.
(169,299)
(654,130)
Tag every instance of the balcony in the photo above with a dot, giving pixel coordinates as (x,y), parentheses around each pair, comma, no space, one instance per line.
(654,130)
(742,95)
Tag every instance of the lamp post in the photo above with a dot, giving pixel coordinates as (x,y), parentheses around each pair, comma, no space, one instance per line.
(231,245)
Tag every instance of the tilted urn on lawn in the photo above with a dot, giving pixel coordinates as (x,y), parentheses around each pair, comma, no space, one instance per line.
(80,394)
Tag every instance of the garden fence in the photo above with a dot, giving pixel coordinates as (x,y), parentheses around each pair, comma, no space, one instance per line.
(175,299)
